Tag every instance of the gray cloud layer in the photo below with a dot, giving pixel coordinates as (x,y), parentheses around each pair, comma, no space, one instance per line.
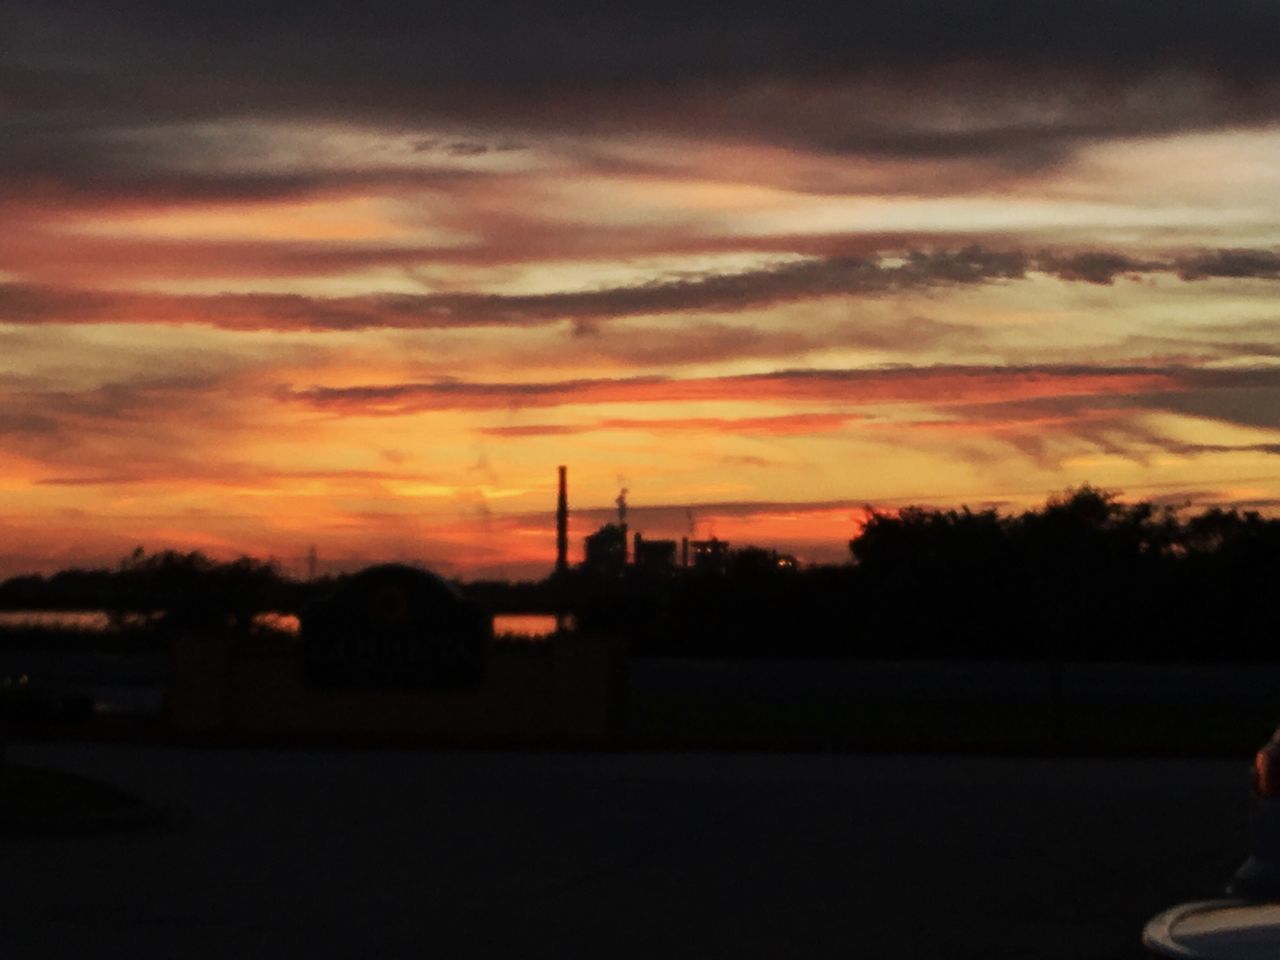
(705,292)
(1042,411)
(1019,83)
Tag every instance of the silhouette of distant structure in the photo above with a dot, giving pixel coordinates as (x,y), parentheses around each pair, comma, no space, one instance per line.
(562,524)
(622,521)
(655,556)
(710,556)
(394,625)
(605,551)
(395,651)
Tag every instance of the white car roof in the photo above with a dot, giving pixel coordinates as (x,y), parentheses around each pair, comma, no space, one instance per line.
(1216,930)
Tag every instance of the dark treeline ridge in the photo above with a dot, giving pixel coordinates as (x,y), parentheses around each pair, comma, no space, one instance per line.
(179,589)
(1085,577)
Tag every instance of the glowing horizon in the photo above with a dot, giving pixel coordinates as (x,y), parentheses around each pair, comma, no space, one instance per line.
(369,298)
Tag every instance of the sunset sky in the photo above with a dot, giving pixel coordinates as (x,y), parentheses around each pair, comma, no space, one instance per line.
(362,275)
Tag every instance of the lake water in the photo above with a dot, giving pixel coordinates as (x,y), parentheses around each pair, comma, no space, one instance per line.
(537,626)
(91,620)
(532,625)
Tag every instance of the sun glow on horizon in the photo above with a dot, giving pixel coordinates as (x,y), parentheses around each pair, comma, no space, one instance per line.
(370,301)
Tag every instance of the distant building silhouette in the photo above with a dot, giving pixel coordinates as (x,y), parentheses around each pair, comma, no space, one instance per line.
(562,524)
(710,556)
(394,625)
(655,556)
(606,551)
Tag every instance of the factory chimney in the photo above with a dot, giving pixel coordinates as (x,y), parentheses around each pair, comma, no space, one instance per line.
(622,521)
(562,524)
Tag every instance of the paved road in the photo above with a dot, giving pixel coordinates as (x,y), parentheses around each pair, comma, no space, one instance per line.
(977,681)
(422,854)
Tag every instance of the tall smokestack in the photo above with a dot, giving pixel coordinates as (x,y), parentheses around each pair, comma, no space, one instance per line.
(562,523)
(622,520)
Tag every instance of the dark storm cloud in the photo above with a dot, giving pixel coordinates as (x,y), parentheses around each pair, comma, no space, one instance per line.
(1196,448)
(1105,267)
(21,303)
(556,44)
(53,164)
(680,293)
(1096,267)
(1232,264)
(1017,82)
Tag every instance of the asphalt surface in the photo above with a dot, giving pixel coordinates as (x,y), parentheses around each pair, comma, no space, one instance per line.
(414,854)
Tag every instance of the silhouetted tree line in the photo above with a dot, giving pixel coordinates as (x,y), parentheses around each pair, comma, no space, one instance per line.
(166,589)
(1083,577)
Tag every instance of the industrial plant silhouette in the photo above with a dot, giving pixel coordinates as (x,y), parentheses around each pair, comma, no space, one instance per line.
(240,651)
(1086,576)
(605,551)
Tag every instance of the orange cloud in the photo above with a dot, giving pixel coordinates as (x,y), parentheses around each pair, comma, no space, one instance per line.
(798,424)
(714,292)
(938,385)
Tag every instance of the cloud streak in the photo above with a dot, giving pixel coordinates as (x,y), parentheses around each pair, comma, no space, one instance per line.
(247,250)
(1014,83)
(951,385)
(788,425)
(704,292)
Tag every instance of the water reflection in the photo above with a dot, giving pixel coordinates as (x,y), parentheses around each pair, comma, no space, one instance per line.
(279,622)
(98,621)
(534,626)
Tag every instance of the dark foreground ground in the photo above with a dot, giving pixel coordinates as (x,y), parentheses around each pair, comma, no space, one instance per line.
(1092,709)
(1087,709)
(419,854)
